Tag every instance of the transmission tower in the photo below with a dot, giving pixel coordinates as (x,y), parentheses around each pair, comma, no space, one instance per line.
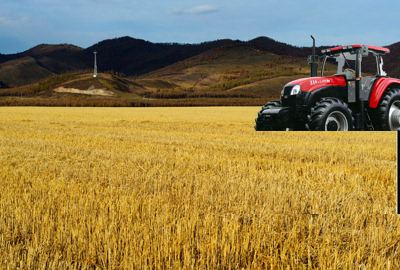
(95,65)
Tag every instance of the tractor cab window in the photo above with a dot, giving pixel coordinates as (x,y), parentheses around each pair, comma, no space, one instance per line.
(345,64)
(340,64)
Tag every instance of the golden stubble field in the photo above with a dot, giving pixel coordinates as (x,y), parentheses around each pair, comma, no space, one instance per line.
(192,188)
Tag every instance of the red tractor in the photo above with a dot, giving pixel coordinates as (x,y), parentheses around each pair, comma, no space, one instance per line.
(345,100)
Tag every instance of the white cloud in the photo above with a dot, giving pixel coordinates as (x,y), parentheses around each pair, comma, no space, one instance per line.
(197,10)
(202,9)
(4,21)
(15,21)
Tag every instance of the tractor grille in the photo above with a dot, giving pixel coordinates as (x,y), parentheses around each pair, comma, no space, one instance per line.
(289,101)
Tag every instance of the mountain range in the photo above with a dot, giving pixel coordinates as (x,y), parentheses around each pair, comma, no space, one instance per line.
(126,55)
(135,69)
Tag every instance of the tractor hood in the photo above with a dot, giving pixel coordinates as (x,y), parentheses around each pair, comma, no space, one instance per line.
(315,83)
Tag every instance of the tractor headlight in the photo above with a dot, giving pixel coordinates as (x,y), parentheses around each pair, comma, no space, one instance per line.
(295,90)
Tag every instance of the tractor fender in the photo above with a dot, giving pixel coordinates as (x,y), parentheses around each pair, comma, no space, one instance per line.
(380,87)
(339,92)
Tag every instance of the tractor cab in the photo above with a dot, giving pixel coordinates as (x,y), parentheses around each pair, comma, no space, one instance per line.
(348,60)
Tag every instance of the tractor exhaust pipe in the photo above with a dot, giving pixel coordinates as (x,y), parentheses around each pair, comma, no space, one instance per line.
(313,61)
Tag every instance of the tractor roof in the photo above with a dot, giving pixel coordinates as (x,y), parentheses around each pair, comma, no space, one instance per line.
(339,49)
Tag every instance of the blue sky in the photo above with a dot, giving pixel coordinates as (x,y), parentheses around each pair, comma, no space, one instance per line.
(26,23)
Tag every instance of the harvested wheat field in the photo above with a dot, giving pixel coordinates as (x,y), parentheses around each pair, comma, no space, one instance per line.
(191,188)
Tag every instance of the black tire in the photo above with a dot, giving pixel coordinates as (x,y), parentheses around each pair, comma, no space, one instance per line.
(330,114)
(265,124)
(380,116)
(271,104)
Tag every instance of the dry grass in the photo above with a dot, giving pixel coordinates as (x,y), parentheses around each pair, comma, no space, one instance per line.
(169,188)
(229,71)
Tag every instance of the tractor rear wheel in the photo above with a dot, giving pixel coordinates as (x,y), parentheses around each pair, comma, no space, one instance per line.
(267,124)
(330,114)
(387,115)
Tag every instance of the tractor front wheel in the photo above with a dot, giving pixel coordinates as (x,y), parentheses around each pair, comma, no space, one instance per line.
(267,124)
(387,115)
(330,114)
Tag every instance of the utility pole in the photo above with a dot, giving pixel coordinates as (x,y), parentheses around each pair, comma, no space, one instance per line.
(95,65)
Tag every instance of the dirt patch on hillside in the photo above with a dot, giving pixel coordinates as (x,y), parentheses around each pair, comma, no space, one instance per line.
(90,92)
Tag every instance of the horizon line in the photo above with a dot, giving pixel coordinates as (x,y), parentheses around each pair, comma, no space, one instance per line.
(176,43)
